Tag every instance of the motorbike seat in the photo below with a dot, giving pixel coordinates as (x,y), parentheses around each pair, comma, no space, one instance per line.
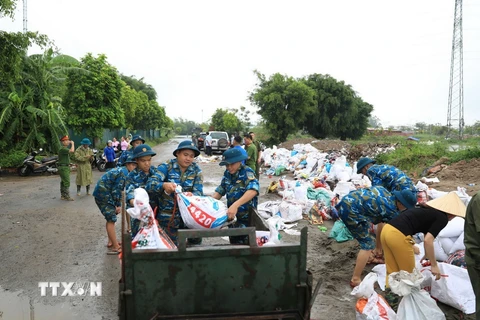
(49,159)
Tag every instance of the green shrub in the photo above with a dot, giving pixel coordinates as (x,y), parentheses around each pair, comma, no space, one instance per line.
(465,154)
(413,157)
(12,159)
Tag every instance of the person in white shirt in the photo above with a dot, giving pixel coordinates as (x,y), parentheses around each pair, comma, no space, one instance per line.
(208,144)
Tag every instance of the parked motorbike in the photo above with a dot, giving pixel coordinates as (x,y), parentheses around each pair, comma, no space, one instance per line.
(101,161)
(97,158)
(31,165)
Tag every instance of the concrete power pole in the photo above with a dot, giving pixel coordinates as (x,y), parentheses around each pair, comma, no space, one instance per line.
(455,93)
(24,16)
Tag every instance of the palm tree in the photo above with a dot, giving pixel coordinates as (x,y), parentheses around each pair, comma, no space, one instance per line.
(32,115)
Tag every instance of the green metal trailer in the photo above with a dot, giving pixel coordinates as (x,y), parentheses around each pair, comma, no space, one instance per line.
(216,281)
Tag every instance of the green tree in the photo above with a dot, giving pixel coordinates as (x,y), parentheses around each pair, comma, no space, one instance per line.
(140,86)
(243,115)
(168,126)
(421,126)
(186,126)
(339,111)
(225,120)
(7,8)
(92,99)
(32,115)
(284,103)
(129,101)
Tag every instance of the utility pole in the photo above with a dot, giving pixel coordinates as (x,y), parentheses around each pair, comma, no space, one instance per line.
(455,92)
(24,16)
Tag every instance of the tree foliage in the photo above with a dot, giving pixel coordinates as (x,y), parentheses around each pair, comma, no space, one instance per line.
(318,104)
(7,8)
(284,103)
(32,114)
(339,111)
(140,86)
(92,99)
(183,126)
(226,120)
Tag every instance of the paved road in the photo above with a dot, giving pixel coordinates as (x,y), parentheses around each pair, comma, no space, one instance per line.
(44,239)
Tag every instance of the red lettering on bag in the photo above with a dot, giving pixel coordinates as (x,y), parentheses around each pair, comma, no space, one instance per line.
(200,216)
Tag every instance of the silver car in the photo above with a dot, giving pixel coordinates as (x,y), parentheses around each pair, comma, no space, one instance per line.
(220,141)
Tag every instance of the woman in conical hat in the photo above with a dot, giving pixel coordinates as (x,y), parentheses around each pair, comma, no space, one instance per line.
(430,219)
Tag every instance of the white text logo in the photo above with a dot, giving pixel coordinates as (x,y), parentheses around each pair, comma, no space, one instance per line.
(70,289)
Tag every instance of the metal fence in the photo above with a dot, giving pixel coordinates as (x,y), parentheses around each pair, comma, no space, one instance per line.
(110,134)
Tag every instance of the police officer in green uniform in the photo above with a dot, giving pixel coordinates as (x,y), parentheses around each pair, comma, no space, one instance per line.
(64,166)
(259,154)
(472,247)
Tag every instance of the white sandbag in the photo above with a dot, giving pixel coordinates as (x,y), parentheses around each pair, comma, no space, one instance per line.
(301,194)
(458,245)
(416,303)
(447,243)
(343,176)
(290,211)
(201,212)
(462,194)
(434,193)
(420,186)
(453,289)
(148,235)
(268,208)
(370,305)
(453,228)
(440,254)
(343,188)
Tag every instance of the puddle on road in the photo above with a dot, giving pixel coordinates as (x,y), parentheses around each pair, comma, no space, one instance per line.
(14,305)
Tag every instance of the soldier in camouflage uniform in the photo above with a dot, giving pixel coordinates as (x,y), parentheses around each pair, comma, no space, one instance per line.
(108,197)
(385,175)
(136,141)
(182,171)
(138,178)
(241,188)
(360,208)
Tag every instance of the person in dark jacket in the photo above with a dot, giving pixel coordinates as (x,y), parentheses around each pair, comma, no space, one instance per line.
(109,153)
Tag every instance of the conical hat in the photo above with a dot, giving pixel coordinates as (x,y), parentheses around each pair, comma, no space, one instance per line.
(449,203)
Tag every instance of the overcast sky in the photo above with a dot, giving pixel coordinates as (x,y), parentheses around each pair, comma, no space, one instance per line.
(200,55)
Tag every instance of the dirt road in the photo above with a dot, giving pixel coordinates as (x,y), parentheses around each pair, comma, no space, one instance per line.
(44,239)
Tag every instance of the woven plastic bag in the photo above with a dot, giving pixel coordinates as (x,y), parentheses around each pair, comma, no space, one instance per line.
(416,303)
(201,212)
(370,305)
(149,235)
